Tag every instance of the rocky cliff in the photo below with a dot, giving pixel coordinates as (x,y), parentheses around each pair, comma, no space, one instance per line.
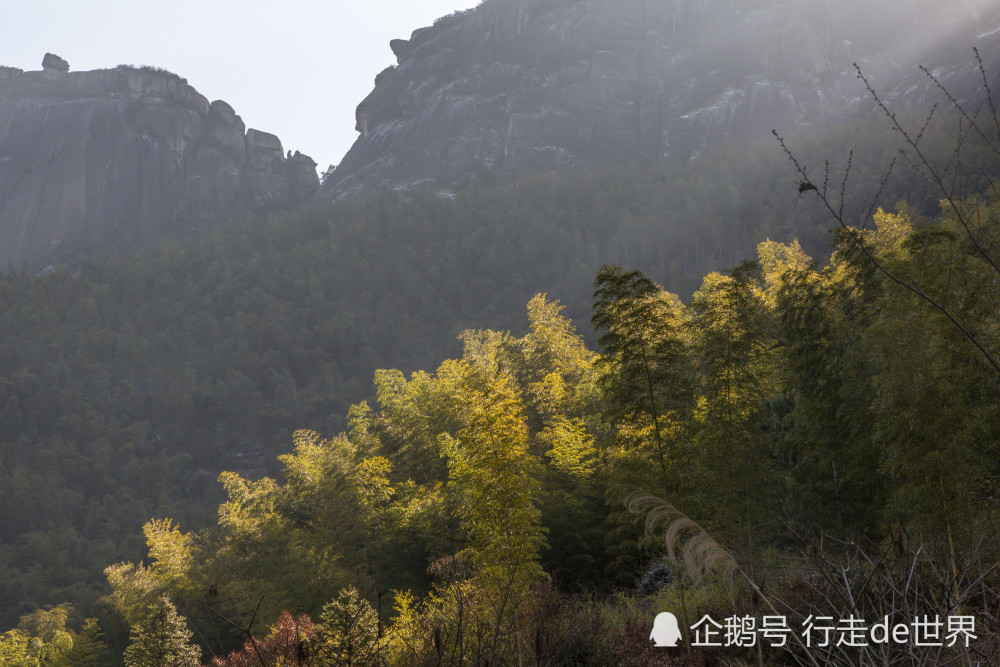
(124,157)
(546,84)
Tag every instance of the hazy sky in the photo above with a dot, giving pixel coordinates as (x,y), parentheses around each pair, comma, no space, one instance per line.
(296,69)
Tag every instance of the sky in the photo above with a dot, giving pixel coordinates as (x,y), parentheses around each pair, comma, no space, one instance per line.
(296,69)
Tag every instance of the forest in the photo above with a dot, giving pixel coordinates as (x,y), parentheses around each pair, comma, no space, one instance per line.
(197,468)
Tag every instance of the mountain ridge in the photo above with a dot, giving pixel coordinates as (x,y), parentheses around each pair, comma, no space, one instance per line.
(124,157)
(563,84)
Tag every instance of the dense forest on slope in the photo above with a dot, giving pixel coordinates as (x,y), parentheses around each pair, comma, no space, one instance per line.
(832,434)
(130,382)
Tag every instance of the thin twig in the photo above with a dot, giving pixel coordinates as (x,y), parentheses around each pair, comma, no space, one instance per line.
(855,236)
(935,176)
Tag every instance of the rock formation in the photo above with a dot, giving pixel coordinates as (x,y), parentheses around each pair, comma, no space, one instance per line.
(52,62)
(124,157)
(558,84)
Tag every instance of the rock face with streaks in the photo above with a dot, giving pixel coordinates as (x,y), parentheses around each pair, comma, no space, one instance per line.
(124,157)
(560,84)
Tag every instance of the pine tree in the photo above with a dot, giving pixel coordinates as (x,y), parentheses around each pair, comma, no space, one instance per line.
(348,631)
(162,639)
(89,648)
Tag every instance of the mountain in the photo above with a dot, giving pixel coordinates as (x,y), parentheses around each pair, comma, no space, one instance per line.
(561,84)
(124,157)
(128,382)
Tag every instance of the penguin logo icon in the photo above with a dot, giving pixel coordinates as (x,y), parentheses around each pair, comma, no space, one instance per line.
(665,631)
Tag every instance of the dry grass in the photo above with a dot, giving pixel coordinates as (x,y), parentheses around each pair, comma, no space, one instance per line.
(687,542)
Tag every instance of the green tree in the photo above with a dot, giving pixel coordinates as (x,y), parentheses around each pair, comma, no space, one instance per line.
(15,650)
(89,648)
(491,468)
(50,640)
(492,471)
(347,634)
(837,481)
(645,365)
(173,555)
(935,397)
(734,441)
(550,362)
(162,639)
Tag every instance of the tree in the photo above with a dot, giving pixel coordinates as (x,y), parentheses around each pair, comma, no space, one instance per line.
(286,645)
(89,648)
(50,640)
(550,362)
(732,444)
(949,180)
(491,469)
(348,632)
(836,482)
(646,373)
(162,639)
(935,400)
(15,650)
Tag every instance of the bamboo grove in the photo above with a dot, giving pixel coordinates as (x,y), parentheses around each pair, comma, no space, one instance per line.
(476,514)
(816,438)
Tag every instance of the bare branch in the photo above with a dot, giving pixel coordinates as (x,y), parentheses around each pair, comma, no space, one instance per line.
(843,183)
(989,95)
(936,177)
(855,236)
(951,98)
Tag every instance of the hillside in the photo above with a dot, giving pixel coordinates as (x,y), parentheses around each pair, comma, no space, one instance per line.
(130,382)
(213,313)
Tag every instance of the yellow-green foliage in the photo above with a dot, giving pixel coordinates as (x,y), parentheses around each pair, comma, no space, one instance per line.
(42,639)
(15,651)
(134,589)
(786,401)
(171,551)
(571,448)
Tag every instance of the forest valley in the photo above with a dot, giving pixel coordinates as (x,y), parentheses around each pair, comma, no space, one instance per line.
(799,438)
(834,437)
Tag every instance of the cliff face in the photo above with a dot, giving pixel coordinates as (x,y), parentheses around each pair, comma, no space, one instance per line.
(124,157)
(546,84)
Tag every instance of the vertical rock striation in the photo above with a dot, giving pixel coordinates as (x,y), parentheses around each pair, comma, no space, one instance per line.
(559,84)
(124,157)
